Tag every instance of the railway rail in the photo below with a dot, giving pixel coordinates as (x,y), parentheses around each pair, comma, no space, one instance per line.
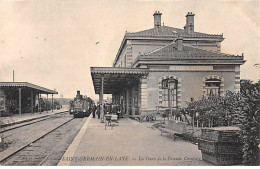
(39,150)
(29,122)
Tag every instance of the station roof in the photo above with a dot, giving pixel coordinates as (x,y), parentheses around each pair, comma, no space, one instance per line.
(27,85)
(116,78)
(166,33)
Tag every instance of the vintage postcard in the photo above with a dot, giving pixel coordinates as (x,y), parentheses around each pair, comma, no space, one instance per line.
(129,83)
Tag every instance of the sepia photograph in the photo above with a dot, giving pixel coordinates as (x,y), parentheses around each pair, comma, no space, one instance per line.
(129,83)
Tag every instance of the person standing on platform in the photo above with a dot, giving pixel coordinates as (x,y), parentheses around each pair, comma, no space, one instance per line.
(98,111)
(94,110)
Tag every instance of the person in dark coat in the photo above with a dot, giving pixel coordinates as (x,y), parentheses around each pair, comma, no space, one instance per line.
(94,110)
(98,111)
(114,109)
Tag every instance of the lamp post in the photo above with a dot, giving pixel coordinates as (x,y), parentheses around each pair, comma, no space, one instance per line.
(197,115)
(193,118)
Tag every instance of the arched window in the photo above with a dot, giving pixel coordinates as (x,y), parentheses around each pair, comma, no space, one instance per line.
(212,87)
(169,92)
(164,94)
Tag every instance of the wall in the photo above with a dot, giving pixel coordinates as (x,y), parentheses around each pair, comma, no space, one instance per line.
(146,46)
(191,86)
(125,58)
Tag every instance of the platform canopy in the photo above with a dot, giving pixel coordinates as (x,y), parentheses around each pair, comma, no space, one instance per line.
(116,78)
(26,85)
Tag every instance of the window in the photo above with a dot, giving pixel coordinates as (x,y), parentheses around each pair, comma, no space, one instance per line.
(212,87)
(169,93)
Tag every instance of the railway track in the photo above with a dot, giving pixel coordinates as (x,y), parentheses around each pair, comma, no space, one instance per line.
(37,152)
(26,123)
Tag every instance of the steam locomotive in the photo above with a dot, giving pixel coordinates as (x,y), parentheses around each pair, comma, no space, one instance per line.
(81,106)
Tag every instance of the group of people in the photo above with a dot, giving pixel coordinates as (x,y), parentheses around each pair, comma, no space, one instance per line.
(108,109)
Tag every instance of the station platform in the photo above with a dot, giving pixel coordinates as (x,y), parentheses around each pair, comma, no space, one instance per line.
(16,118)
(131,143)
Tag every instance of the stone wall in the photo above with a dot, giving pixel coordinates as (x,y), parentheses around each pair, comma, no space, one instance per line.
(191,84)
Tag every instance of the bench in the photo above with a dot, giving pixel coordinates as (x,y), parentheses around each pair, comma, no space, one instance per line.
(174,128)
(138,117)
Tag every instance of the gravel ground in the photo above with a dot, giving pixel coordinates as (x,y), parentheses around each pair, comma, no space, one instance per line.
(19,137)
(49,149)
(71,133)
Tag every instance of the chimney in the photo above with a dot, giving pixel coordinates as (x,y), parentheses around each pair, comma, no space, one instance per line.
(157,19)
(189,27)
(179,42)
(78,95)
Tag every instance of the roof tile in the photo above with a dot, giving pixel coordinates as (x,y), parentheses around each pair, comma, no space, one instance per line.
(188,52)
(166,31)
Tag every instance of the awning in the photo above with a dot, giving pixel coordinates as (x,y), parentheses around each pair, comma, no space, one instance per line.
(116,78)
(40,89)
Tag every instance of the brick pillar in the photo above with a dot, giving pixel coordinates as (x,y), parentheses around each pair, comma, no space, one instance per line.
(143,93)
(237,79)
(129,58)
(178,92)
(133,100)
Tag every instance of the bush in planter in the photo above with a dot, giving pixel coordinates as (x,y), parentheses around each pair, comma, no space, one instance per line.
(241,109)
(247,117)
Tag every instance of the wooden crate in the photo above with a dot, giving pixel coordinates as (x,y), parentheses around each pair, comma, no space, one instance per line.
(220,134)
(222,159)
(220,147)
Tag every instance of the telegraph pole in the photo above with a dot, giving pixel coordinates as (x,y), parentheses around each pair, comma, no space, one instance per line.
(13,75)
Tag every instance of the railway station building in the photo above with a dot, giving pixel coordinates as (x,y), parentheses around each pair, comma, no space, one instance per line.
(166,67)
(22,97)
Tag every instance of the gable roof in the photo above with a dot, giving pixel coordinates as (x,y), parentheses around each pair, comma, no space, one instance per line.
(170,52)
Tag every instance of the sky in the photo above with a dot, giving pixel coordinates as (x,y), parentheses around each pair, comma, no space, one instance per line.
(53,43)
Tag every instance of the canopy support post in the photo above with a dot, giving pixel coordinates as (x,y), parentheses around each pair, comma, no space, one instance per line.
(32,102)
(52,103)
(101,101)
(38,110)
(20,101)
(40,103)
(47,104)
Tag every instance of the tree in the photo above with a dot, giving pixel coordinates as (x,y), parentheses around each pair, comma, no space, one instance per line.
(247,118)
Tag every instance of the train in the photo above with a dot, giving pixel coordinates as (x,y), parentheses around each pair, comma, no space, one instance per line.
(81,106)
